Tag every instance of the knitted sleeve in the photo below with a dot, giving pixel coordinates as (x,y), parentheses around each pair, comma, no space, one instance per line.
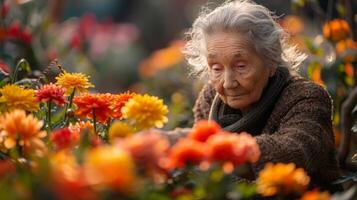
(304,135)
(203,102)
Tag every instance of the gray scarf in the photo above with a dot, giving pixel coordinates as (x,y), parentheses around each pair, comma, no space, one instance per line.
(253,122)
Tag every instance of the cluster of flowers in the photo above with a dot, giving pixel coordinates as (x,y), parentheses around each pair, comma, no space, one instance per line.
(92,151)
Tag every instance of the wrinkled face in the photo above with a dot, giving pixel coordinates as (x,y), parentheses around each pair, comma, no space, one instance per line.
(236,71)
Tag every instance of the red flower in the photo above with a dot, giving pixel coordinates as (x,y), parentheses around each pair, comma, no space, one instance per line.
(99,103)
(119,102)
(14,30)
(4,10)
(26,36)
(51,92)
(4,68)
(64,138)
(203,130)
(234,148)
(187,151)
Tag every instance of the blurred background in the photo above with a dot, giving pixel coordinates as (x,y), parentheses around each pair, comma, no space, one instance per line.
(135,45)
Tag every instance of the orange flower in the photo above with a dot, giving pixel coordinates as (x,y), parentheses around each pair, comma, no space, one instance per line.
(187,151)
(162,59)
(316,195)
(147,149)
(233,148)
(81,126)
(111,167)
(69,178)
(100,103)
(203,130)
(119,102)
(347,50)
(51,92)
(336,30)
(17,128)
(292,24)
(283,179)
(64,138)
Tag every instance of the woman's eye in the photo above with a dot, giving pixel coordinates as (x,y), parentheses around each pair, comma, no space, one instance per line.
(216,67)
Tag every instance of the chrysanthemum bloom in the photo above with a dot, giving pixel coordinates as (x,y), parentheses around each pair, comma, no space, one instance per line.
(282,179)
(347,49)
(148,150)
(17,128)
(71,81)
(111,167)
(234,148)
(119,102)
(187,151)
(120,130)
(145,111)
(14,97)
(336,30)
(64,138)
(81,126)
(68,178)
(51,92)
(100,103)
(202,130)
(316,195)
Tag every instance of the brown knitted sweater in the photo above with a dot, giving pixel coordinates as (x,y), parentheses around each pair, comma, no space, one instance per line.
(298,130)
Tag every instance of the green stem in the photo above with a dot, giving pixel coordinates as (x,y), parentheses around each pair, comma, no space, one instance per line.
(94,121)
(106,136)
(17,68)
(69,106)
(49,107)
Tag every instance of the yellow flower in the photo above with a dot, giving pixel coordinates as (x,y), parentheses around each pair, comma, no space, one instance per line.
(112,167)
(71,81)
(282,179)
(17,128)
(14,97)
(145,111)
(120,129)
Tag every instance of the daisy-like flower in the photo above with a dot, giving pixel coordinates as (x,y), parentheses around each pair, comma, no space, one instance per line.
(51,92)
(71,81)
(119,102)
(14,97)
(99,103)
(145,111)
(120,130)
(17,128)
(283,179)
(64,138)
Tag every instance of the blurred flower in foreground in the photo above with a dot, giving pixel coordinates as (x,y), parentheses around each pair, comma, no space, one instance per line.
(14,97)
(162,59)
(17,128)
(316,195)
(282,179)
(145,111)
(119,102)
(51,92)
(233,148)
(202,130)
(64,138)
(71,81)
(292,24)
(148,150)
(68,178)
(336,30)
(100,104)
(120,130)
(112,167)
(187,151)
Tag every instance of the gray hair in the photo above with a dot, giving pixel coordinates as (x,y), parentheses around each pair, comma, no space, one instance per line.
(243,16)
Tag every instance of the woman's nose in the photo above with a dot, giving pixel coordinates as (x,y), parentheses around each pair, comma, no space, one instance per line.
(229,80)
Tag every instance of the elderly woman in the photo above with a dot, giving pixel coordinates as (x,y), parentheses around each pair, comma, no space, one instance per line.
(252,87)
